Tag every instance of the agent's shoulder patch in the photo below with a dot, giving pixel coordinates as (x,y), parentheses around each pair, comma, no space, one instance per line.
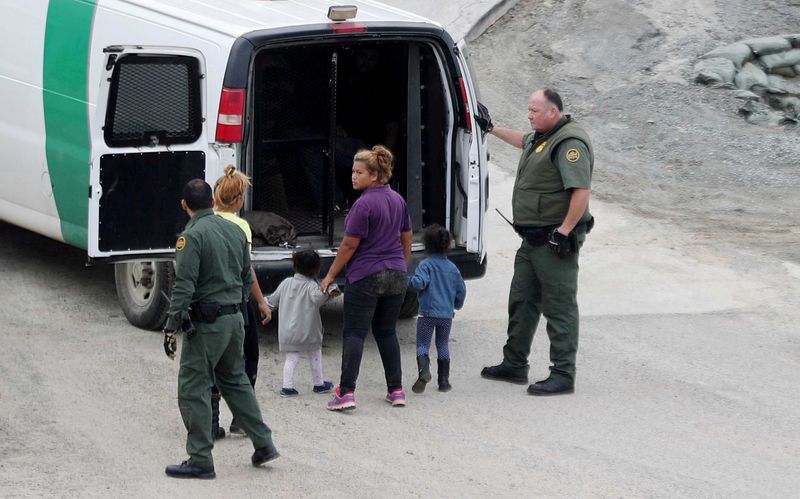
(572,155)
(180,243)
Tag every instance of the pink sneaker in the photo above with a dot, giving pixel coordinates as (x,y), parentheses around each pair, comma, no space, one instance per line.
(397,397)
(342,402)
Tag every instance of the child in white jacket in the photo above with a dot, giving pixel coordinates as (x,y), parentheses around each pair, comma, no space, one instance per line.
(299,299)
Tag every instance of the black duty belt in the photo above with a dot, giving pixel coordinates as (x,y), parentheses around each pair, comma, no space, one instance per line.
(229,309)
(538,236)
(208,311)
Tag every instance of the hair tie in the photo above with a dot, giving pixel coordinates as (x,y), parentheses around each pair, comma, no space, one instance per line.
(231,173)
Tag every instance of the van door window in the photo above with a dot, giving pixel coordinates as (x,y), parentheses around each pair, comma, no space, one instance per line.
(153,100)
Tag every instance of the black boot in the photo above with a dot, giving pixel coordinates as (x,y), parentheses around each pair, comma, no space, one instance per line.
(444,375)
(424,368)
(217,431)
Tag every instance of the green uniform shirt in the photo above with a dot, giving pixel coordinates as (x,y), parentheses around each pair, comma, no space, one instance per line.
(212,263)
(550,165)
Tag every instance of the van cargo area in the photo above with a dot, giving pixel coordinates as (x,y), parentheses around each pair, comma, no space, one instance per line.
(313,105)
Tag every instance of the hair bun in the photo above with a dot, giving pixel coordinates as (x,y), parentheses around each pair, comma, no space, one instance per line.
(383,154)
(230,170)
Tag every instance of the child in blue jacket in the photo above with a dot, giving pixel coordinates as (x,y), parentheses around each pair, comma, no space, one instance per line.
(441,290)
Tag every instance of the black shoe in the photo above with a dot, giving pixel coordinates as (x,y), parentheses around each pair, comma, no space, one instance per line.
(325,387)
(218,433)
(264,454)
(189,470)
(502,373)
(551,386)
(235,428)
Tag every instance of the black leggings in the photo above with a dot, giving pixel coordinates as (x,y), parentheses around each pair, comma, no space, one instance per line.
(251,342)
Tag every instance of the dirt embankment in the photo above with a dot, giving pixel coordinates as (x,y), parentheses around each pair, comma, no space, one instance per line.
(665,146)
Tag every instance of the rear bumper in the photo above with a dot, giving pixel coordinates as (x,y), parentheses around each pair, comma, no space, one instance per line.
(271,273)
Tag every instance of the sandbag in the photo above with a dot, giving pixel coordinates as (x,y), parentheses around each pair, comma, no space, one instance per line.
(760,114)
(788,103)
(794,40)
(768,45)
(717,71)
(751,76)
(786,71)
(792,86)
(776,84)
(746,95)
(270,229)
(737,53)
(788,58)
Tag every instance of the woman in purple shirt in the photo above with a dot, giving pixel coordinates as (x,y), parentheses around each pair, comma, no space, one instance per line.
(375,249)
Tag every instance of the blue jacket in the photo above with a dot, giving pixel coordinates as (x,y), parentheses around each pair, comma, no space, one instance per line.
(440,285)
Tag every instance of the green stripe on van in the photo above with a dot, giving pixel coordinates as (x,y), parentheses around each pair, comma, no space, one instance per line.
(66,111)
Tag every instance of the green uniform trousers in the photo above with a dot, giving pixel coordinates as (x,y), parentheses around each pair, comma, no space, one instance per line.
(543,284)
(214,354)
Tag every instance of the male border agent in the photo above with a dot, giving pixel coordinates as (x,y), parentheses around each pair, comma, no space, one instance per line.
(212,281)
(550,204)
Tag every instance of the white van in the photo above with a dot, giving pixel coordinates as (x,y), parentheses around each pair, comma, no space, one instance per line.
(111,106)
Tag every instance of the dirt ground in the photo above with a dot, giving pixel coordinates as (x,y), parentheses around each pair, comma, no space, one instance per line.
(665,147)
(689,300)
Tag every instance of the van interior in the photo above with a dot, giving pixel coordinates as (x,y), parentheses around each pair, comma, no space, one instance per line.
(315,104)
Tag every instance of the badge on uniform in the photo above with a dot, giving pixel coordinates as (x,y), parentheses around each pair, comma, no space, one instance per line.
(573,155)
(181,243)
(541,147)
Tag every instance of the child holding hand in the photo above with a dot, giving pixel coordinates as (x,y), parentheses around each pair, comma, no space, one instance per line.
(299,299)
(441,290)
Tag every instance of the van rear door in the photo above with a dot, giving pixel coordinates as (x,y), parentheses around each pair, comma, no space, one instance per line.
(148,141)
(473,171)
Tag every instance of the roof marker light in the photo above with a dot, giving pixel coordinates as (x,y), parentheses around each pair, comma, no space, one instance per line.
(342,12)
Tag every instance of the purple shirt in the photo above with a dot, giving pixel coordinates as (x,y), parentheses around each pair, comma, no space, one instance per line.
(378,217)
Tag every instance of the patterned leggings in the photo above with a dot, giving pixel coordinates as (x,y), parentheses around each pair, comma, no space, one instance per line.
(425,328)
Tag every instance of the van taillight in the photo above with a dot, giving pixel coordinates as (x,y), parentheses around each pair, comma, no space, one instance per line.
(231,115)
(348,27)
(465,104)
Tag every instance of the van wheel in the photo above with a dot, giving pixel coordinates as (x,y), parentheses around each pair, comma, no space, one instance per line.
(410,306)
(139,290)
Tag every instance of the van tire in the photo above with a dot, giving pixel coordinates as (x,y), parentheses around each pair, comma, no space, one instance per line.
(410,306)
(139,290)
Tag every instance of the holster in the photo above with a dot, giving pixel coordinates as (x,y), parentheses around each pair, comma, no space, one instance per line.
(589,225)
(204,311)
(536,236)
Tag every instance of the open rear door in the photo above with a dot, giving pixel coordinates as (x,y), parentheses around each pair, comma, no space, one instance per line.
(472,176)
(152,141)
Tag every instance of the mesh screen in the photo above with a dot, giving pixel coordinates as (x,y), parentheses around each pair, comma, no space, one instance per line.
(292,130)
(154,100)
